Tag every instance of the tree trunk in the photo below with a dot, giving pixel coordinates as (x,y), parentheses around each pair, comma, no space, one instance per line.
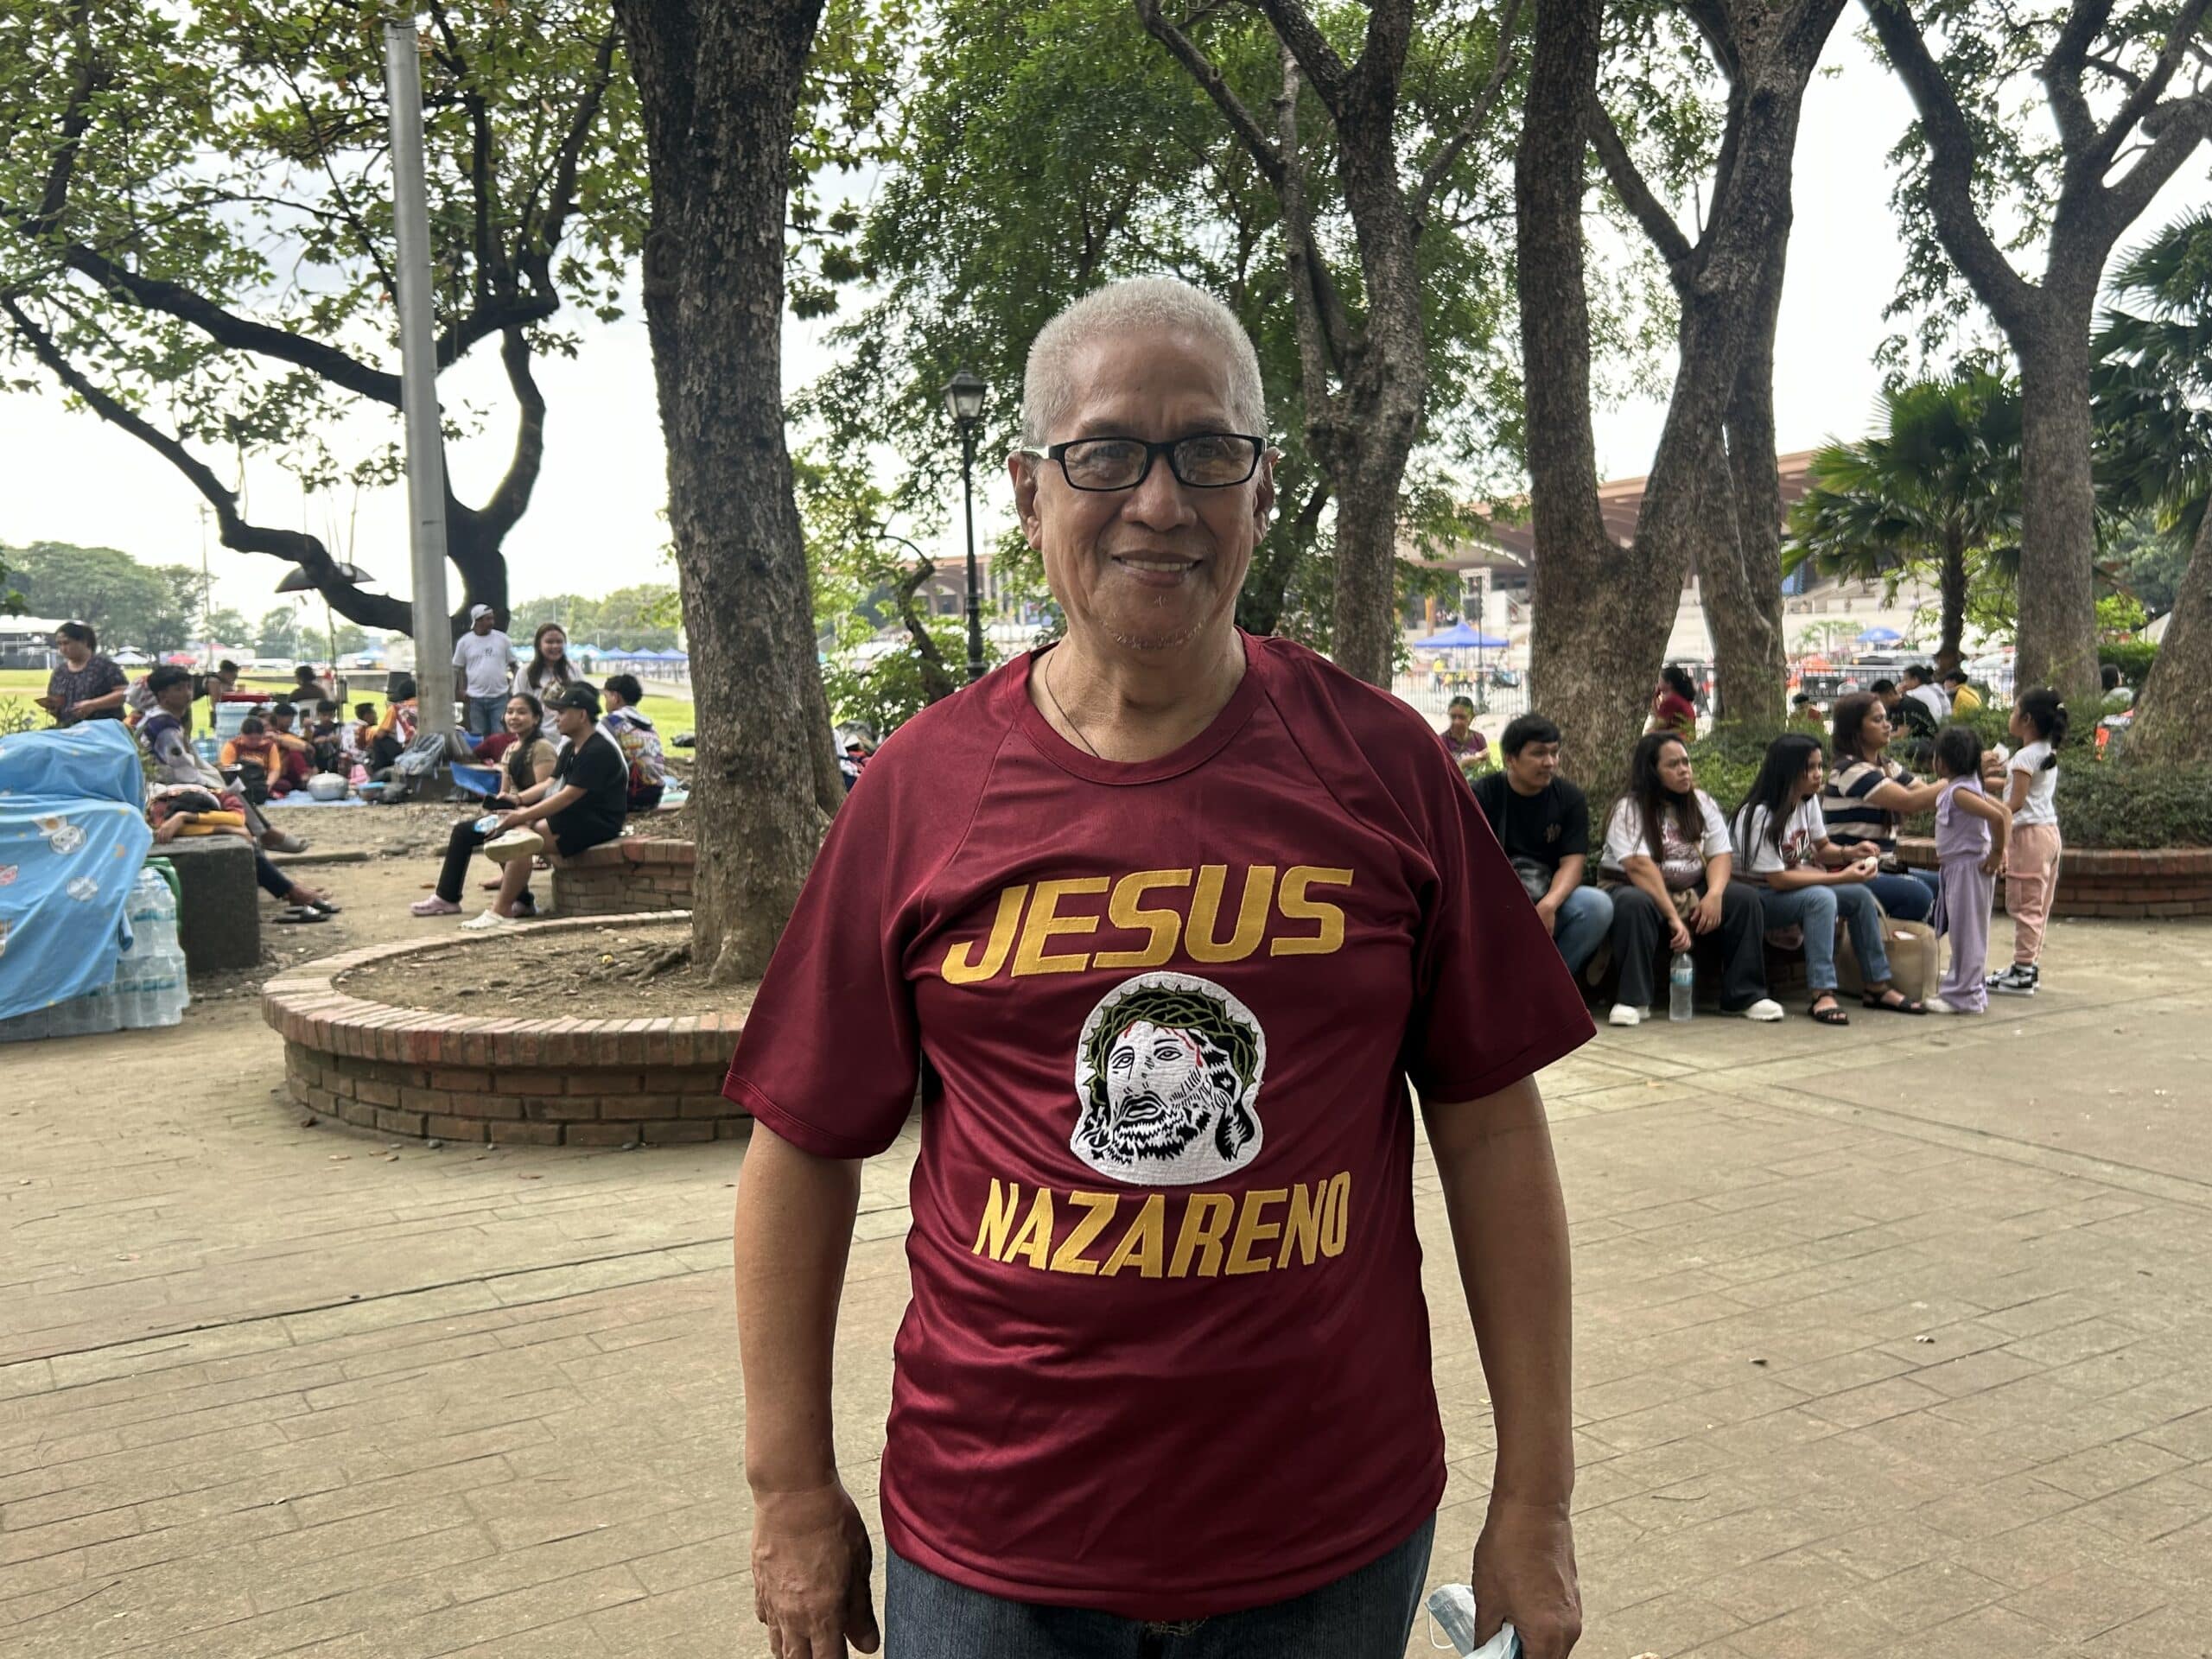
(1952,580)
(1743,561)
(718,87)
(2058,505)
(1583,672)
(2173,711)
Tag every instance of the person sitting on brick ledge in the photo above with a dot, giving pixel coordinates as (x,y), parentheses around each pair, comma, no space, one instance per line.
(528,762)
(582,805)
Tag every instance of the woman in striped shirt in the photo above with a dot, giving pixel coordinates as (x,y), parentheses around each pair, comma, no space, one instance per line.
(1868,795)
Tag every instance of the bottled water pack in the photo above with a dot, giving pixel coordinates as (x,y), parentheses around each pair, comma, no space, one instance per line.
(148,988)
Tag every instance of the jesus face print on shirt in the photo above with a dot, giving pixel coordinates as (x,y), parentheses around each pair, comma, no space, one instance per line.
(1167,1070)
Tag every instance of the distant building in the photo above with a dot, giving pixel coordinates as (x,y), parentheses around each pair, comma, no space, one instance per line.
(27,642)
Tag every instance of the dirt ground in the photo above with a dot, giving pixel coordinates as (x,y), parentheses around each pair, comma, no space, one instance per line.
(635,973)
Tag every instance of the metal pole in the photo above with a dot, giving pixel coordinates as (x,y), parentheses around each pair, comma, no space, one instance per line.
(975,607)
(418,380)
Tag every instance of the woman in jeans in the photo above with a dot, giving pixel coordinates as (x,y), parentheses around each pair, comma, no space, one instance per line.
(1804,879)
(528,760)
(1868,795)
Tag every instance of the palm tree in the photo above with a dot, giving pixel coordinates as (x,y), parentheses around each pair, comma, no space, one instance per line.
(1937,492)
(2152,399)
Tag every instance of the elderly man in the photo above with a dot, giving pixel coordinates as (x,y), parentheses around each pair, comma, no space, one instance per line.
(1164,918)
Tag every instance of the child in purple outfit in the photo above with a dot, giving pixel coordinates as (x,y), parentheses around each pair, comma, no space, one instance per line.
(1970,832)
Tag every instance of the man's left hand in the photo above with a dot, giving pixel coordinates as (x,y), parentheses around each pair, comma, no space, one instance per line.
(1524,1571)
(1548,907)
(507,820)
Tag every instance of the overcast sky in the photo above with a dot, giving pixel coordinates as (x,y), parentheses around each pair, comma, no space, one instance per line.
(595,521)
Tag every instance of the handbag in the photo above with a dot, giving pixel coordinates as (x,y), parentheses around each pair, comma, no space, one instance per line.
(1913,969)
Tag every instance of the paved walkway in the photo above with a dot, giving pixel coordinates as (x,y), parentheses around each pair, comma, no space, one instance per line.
(1892,1342)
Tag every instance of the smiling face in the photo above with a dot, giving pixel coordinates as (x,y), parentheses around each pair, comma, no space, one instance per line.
(1160,1097)
(552,645)
(519,719)
(1154,567)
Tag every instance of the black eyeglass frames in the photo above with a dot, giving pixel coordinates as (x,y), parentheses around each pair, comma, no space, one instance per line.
(1206,460)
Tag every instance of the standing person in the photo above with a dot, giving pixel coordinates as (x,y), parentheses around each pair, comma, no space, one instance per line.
(1468,747)
(484,657)
(1804,880)
(551,670)
(1868,795)
(2039,723)
(582,805)
(1668,864)
(1970,835)
(1674,705)
(640,743)
(527,760)
(1251,896)
(87,685)
(1964,698)
(1542,821)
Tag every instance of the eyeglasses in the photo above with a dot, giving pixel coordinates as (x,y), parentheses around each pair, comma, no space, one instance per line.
(1210,461)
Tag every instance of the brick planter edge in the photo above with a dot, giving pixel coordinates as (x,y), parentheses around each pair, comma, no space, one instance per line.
(2113,882)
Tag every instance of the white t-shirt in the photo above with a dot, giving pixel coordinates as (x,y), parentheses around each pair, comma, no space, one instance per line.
(1680,864)
(484,660)
(1932,700)
(1806,830)
(2042,804)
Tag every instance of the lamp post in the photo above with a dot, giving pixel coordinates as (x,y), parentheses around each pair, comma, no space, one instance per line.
(963,401)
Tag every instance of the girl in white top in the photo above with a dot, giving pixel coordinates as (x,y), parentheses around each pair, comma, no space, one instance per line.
(2039,723)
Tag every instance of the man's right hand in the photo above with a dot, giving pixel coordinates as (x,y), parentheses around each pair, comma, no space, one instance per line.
(810,1563)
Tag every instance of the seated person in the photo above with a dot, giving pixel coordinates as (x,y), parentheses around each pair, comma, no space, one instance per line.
(1964,698)
(1468,747)
(1805,713)
(254,756)
(166,734)
(1804,880)
(294,752)
(1543,823)
(640,742)
(395,730)
(582,805)
(325,734)
(184,813)
(357,731)
(527,760)
(1669,864)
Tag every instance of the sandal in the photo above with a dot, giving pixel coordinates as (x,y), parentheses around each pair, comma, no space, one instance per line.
(1892,1001)
(299,913)
(1831,1015)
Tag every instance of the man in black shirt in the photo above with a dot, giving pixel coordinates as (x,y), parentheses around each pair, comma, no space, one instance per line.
(582,805)
(1543,823)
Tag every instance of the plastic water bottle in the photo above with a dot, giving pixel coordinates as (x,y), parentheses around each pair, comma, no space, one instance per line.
(1682,985)
(1452,1607)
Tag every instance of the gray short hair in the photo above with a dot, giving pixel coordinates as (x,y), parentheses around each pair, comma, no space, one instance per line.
(1140,303)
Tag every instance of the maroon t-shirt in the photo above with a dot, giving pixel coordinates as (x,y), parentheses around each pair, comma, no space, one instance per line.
(1167,1354)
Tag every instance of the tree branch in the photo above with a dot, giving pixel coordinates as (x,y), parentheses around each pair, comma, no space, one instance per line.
(2060,75)
(296,547)
(2181,125)
(1324,71)
(85,76)
(1321,347)
(535,256)
(1204,71)
(1634,195)
(1432,178)
(511,499)
(2010,299)
(2143,100)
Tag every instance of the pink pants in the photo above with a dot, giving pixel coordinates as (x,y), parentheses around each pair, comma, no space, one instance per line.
(2031,884)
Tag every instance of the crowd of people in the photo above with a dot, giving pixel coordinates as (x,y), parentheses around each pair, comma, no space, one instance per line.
(1806,864)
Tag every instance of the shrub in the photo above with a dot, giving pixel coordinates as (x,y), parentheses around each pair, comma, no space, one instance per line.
(2132,657)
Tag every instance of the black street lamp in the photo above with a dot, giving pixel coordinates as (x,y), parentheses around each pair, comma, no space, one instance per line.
(963,401)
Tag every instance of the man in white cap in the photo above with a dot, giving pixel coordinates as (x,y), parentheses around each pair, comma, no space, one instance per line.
(484,661)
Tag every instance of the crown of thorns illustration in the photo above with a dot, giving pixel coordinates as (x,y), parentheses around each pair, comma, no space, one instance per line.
(1206,1017)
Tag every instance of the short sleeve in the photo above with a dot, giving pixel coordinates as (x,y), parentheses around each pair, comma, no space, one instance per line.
(1623,837)
(113,678)
(1492,1001)
(831,1051)
(1715,840)
(1816,823)
(1574,825)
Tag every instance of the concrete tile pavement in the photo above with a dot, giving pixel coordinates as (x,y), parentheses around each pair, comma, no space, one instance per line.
(1892,1341)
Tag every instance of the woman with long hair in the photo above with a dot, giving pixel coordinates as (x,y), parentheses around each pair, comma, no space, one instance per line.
(1868,795)
(1667,865)
(551,669)
(528,760)
(1674,705)
(1804,880)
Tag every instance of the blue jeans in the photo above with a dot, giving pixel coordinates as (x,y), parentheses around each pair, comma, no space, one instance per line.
(485,714)
(1367,1614)
(1814,909)
(1909,897)
(1586,917)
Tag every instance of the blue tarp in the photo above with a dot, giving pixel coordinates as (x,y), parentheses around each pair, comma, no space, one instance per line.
(1461,636)
(72,837)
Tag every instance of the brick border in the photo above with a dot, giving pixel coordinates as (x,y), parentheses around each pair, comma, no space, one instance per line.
(626,877)
(2101,881)
(568,1082)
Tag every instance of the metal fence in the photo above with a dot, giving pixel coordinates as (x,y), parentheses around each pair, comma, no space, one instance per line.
(1433,693)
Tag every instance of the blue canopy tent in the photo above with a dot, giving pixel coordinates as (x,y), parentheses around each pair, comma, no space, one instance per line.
(1879,636)
(1462,636)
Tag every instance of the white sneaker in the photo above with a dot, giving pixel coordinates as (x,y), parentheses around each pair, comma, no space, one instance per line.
(490,922)
(1766,1010)
(1938,1005)
(1624,1014)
